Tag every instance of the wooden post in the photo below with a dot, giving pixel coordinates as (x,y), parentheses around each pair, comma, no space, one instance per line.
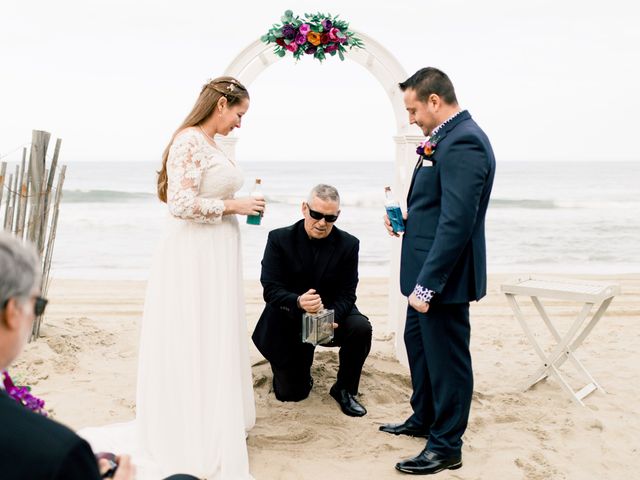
(52,238)
(3,171)
(22,205)
(14,200)
(8,207)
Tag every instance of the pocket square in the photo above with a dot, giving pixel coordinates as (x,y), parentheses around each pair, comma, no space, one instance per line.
(427,163)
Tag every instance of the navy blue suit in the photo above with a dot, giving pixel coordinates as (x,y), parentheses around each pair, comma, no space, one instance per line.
(443,249)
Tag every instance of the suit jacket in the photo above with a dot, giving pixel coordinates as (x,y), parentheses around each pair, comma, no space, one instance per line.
(33,447)
(288,270)
(443,248)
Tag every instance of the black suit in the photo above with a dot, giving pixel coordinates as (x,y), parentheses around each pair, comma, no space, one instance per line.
(293,264)
(443,250)
(33,447)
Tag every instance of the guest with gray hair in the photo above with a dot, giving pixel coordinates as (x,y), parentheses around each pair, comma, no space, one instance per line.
(306,267)
(31,445)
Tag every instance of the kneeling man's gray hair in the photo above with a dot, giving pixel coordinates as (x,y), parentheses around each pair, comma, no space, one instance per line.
(324,192)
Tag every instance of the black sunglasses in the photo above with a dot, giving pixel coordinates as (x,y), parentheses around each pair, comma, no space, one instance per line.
(38,308)
(319,216)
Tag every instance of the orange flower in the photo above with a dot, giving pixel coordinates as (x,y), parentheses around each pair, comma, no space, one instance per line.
(313,38)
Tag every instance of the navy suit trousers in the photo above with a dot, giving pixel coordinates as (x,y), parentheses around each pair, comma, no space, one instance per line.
(441,373)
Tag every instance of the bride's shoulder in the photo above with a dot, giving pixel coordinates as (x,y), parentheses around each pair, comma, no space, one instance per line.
(188,134)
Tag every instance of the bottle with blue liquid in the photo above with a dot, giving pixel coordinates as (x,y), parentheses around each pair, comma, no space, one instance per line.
(393,211)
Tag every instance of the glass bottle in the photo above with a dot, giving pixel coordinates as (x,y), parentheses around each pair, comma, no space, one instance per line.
(256,193)
(393,211)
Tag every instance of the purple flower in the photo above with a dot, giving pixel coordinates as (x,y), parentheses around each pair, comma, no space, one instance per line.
(22,395)
(288,32)
(304,29)
(300,39)
(311,50)
(326,24)
(331,48)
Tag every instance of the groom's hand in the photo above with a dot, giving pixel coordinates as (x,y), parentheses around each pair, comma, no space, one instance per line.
(310,301)
(418,305)
(387,224)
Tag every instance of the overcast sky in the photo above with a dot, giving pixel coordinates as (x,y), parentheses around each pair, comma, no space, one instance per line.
(547,80)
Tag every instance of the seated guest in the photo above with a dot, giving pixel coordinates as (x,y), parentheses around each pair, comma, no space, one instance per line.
(32,446)
(306,267)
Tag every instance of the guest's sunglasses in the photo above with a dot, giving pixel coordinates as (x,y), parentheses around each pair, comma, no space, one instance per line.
(38,308)
(319,216)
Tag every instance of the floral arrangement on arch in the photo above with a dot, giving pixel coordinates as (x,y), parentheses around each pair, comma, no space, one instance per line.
(318,35)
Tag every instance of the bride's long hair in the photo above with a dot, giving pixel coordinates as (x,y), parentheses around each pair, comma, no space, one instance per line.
(227,87)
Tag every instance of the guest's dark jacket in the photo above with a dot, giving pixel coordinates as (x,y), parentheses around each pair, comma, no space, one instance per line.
(33,447)
(443,248)
(289,270)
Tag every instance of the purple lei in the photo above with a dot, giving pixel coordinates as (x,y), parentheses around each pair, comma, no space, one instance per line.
(22,395)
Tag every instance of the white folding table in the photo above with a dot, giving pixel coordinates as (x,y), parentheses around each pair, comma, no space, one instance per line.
(589,294)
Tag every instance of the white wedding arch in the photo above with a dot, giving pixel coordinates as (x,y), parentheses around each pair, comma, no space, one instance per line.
(386,69)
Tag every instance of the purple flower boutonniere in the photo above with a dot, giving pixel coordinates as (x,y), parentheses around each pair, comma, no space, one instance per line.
(427,148)
(22,395)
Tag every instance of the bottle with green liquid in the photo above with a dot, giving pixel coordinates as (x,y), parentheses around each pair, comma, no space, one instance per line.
(257,193)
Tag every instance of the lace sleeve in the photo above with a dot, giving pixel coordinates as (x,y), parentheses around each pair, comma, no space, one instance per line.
(185,165)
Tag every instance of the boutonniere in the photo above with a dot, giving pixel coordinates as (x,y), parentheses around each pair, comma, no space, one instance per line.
(22,395)
(427,148)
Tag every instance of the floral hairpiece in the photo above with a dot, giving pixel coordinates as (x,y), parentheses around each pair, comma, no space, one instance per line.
(317,35)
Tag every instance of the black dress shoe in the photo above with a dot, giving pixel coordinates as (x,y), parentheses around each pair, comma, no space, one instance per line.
(428,463)
(406,428)
(347,402)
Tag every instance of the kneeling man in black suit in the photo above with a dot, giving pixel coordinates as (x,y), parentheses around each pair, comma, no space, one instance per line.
(306,267)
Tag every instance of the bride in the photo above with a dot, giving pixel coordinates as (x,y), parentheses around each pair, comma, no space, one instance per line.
(194,394)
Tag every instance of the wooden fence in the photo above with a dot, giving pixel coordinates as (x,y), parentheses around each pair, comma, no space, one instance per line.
(29,203)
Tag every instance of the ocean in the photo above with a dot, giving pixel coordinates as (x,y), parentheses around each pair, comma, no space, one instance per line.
(563,217)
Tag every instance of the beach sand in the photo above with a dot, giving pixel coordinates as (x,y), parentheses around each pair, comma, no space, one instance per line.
(84,366)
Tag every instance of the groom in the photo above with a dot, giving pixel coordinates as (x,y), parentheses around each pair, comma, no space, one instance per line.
(443,267)
(307,266)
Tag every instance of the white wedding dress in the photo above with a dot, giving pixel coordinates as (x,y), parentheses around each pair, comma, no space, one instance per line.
(195,394)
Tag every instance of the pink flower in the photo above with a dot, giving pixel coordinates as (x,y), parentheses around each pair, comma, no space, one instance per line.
(292,47)
(333,34)
(304,28)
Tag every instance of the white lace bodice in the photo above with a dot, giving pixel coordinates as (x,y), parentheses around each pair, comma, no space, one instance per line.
(200,176)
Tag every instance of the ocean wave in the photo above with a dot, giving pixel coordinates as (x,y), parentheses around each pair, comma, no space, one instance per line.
(103,196)
(523,203)
(548,204)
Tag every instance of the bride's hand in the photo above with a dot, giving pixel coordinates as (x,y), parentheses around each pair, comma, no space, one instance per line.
(245,206)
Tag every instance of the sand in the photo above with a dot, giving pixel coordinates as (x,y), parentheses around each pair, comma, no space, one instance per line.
(84,367)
